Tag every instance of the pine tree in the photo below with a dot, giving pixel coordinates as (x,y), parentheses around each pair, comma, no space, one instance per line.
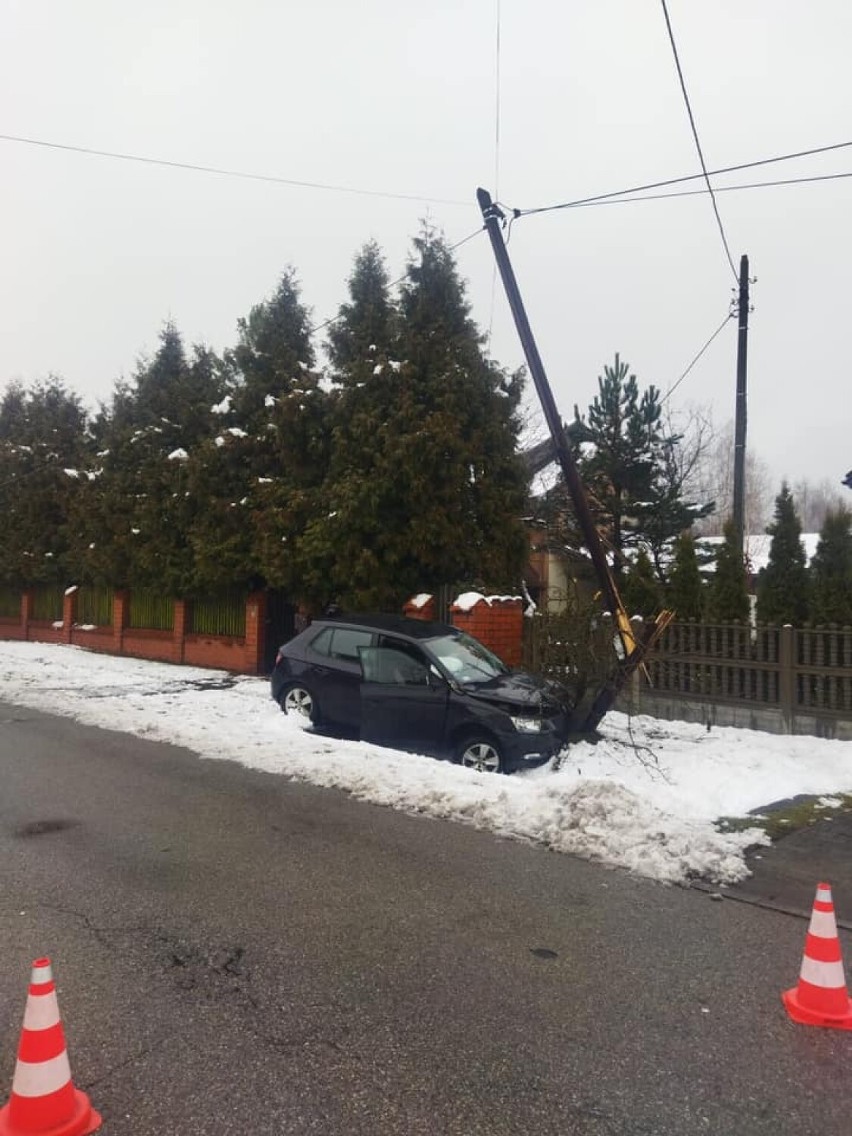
(685,594)
(631,470)
(782,587)
(831,570)
(727,594)
(425,486)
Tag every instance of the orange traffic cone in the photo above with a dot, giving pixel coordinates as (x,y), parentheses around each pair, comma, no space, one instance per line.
(821,998)
(43,1098)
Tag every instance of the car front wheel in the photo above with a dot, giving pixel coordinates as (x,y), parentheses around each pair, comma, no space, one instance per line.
(299,701)
(481,754)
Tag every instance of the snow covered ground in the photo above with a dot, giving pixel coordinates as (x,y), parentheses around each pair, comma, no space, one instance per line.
(644,798)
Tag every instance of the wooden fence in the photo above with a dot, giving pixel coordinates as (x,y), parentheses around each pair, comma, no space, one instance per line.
(783,679)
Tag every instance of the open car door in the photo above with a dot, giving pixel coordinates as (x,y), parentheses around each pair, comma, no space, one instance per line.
(403,701)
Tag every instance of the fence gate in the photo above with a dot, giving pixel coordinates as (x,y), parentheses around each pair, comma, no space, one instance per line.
(279,626)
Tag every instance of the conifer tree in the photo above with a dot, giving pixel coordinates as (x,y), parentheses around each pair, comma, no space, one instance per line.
(831,570)
(727,593)
(631,469)
(275,455)
(425,486)
(44,443)
(133,528)
(685,595)
(782,587)
(640,588)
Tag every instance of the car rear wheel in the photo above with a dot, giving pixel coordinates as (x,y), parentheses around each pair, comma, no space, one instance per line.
(480,753)
(300,701)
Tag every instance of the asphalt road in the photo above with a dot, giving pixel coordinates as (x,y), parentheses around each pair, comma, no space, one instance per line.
(238,953)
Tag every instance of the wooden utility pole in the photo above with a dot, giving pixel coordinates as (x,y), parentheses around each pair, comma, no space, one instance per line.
(740,416)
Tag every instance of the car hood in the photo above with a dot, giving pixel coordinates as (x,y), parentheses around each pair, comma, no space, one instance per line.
(519,691)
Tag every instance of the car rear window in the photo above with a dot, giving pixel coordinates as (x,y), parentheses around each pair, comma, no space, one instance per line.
(342,642)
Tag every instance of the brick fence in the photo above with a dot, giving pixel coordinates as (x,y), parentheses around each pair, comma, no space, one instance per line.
(242,654)
(497,621)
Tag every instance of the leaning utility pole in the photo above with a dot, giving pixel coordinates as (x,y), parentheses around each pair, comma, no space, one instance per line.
(633,649)
(740,416)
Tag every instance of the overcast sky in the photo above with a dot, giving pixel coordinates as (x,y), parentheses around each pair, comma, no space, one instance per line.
(392,96)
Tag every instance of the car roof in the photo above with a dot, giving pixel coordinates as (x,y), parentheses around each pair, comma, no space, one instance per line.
(394,624)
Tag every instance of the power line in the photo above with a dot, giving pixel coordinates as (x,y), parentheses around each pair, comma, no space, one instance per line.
(681,180)
(222,172)
(697,142)
(496,160)
(608,199)
(695,135)
(675,385)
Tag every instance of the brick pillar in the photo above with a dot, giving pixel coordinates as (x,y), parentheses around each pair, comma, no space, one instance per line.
(420,607)
(181,622)
(69,613)
(255,646)
(496,621)
(27,600)
(120,615)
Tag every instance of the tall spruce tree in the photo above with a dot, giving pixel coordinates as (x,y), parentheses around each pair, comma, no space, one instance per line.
(727,593)
(831,570)
(782,587)
(44,446)
(685,594)
(134,524)
(425,486)
(276,435)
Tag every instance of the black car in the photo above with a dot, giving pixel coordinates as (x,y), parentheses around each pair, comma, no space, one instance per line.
(421,686)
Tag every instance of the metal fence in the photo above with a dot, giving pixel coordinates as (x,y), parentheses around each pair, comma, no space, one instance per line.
(94,605)
(47,602)
(224,614)
(10,603)
(149,611)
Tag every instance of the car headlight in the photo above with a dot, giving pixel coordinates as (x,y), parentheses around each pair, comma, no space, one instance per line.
(526,725)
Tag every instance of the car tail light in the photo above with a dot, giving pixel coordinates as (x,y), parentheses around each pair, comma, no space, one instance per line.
(278,658)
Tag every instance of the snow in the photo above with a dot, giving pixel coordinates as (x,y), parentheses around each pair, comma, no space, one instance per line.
(644,798)
(758,545)
(179,454)
(468,600)
(420,600)
(236,432)
(222,407)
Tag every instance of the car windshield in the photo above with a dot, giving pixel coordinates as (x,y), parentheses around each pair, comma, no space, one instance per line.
(465,659)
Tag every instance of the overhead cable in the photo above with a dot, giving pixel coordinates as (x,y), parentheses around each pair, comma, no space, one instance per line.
(588,203)
(675,385)
(221,172)
(682,180)
(697,142)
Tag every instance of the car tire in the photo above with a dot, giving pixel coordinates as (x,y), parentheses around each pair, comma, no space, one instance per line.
(480,752)
(300,701)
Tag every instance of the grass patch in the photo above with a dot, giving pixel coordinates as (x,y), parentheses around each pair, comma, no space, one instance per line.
(785,817)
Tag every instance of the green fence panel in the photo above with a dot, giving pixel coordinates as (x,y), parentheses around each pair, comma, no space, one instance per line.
(152,612)
(47,602)
(94,605)
(224,614)
(10,603)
